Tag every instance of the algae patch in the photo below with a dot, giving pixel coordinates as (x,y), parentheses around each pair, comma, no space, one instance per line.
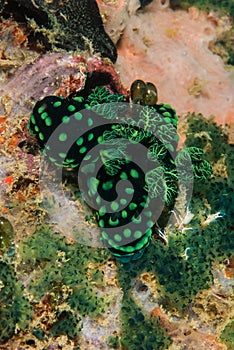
(184,265)
(56,264)
(15,310)
(139,331)
(227,335)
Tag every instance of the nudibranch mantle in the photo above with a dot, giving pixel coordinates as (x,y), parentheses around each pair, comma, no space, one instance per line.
(125,156)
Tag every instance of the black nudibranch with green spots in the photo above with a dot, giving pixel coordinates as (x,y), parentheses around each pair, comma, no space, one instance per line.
(125,156)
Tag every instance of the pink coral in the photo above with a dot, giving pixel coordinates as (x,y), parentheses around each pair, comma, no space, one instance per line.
(171,49)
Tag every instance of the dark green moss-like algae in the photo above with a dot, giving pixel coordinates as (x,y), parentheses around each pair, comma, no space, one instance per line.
(61,268)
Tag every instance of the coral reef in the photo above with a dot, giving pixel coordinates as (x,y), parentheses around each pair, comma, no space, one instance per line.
(172,48)
(56,274)
(59,287)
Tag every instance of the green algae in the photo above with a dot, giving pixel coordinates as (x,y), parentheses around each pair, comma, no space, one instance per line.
(62,271)
(181,278)
(15,310)
(183,266)
(63,267)
(139,331)
(114,342)
(67,323)
(227,335)
(6,234)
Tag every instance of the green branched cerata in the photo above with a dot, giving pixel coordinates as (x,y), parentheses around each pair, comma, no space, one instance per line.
(125,155)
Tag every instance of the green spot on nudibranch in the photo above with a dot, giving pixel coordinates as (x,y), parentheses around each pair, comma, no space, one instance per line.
(167,120)
(36,128)
(66,119)
(129,249)
(79,141)
(90,121)
(123,176)
(129,190)
(113,222)
(63,137)
(137,220)
(44,115)
(134,173)
(98,200)
(87,157)
(100,139)
(32,119)
(104,235)
(90,136)
(41,109)
(57,104)
(102,211)
(82,150)
(167,106)
(137,234)
(127,232)
(48,121)
(117,238)
(143,242)
(78,99)
(78,116)
(71,108)
(148,213)
(62,155)
(107,185)
(123,201)
(167,114)
(73,166)
(101,223)
(68,161)
(124,214)
(132,206)
(41,136)
(150,223)
(114,206)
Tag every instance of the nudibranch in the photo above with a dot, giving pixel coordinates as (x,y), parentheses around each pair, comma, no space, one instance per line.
(125,156)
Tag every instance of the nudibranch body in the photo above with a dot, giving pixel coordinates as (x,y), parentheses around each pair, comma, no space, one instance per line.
(124,154)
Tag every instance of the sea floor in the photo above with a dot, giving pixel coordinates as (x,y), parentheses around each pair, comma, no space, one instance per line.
(60,288)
